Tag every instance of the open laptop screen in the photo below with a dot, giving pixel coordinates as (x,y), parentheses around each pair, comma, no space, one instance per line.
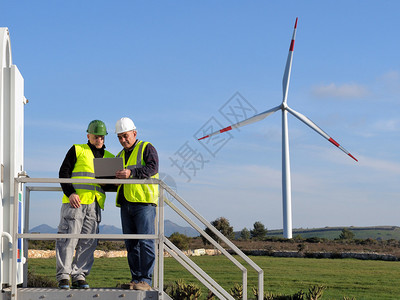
(106,167)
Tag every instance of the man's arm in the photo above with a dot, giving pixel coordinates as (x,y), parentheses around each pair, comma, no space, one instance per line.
(66,171)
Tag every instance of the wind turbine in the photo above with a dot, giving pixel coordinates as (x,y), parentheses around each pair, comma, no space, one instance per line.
(286,182)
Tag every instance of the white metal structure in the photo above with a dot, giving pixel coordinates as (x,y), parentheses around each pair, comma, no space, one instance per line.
(164,245)
(286,182)
(12,102)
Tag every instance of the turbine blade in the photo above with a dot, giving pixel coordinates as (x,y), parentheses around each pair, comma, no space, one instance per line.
(248,121)
(288,68)
(314,126)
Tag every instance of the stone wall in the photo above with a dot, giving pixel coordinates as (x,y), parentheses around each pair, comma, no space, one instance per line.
(52,253)
(198,252)
(100,253)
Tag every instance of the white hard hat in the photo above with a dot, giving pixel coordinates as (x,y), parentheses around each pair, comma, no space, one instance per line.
(124,125)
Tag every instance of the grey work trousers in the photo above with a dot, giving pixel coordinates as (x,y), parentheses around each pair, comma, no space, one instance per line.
(85,220)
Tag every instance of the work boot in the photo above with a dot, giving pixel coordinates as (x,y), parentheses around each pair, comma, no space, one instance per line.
(80,284)
(63,284)
(142,286)
(128,286)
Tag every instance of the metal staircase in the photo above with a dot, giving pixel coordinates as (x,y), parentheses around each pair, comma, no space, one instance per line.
(16,292)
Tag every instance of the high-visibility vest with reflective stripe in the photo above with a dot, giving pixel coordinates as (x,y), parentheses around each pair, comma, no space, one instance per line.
(84,168)
(143,193)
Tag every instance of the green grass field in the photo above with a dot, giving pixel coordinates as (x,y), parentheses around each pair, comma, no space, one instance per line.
(342,277)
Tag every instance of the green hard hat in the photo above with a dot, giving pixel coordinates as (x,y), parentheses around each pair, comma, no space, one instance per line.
(97,127)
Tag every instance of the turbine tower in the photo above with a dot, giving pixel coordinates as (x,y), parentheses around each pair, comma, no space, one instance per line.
(286,182)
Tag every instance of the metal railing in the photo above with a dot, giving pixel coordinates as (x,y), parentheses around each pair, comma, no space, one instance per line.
(161,241)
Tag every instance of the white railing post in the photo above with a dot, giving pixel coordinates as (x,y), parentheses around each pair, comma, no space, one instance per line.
(26,230)
(15,242)
(161,243)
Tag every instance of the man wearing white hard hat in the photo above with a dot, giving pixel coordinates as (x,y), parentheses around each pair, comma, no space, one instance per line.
(138,202)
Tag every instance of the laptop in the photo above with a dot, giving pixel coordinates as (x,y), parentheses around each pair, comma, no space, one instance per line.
(106,167)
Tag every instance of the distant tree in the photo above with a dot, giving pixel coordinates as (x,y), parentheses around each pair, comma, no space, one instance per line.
(180,240)
(223,226)
(259,231)
(346,234)
(245,234)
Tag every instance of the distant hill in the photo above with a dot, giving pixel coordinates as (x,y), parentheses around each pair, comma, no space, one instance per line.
(169,228)
(110,229)
(331,233)
(44,228)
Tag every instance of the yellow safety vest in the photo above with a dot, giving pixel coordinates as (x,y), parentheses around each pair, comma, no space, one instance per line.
(84,168)
(143,193)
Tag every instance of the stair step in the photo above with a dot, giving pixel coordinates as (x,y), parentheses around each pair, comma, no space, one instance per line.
(89,294)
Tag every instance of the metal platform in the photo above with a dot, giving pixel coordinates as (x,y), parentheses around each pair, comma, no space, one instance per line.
(92,294)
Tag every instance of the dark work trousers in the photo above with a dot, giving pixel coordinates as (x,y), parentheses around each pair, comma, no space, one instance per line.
(138,218)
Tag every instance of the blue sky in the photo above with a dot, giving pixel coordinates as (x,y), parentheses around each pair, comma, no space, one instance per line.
(174,67)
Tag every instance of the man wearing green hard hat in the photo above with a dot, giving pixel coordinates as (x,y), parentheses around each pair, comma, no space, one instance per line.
(81,209)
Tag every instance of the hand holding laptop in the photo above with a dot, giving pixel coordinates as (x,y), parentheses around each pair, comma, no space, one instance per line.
(123,174)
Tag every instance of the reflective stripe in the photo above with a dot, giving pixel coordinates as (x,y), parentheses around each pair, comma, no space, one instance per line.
(88,187)
(139,155)
(83,174)
(133,166)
